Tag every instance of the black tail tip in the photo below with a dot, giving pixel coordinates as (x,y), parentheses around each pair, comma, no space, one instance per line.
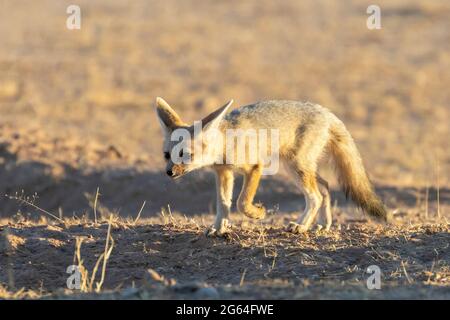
(378,211)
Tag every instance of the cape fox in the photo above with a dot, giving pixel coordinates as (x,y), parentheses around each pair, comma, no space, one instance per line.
(306,132)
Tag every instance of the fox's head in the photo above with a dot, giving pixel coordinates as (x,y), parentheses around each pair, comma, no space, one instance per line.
(186,147)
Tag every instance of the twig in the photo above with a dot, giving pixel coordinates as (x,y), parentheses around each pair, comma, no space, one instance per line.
(438,189)
(107,253)
(25,201)
(83,272)
(431,272)
(241,283)
(139,213)
(406,273)
(95,205)
(170,213)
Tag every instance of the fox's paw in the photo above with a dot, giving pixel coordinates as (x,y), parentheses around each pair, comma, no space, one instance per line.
(296,228)
(320,227)
(256,211)
(213,232)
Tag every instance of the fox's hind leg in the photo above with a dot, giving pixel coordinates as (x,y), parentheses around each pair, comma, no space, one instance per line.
(224,191)
(325,217)
(313,199)
(304,162)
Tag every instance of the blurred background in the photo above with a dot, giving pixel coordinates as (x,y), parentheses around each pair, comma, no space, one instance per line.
(77,106)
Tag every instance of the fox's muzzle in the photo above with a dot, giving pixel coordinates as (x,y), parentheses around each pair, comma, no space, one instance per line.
(176,171)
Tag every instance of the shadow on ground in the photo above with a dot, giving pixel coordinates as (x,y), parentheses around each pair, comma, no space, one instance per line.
(124,189)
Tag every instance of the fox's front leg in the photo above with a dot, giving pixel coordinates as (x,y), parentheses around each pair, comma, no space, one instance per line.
(224,190)
(245,202)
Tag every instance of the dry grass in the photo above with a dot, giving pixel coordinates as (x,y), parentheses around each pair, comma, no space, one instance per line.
(88,281)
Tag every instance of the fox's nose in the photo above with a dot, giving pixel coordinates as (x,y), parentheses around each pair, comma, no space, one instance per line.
(169,173)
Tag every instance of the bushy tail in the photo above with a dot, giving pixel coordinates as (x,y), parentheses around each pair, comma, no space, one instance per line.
(351,173)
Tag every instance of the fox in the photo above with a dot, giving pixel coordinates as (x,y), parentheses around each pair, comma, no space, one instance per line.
(307,133)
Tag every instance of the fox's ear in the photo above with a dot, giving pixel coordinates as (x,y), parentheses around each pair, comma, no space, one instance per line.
(212,121)
(167,117)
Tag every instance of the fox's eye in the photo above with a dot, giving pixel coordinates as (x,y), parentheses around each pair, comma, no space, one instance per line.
(167,155)
(181,153)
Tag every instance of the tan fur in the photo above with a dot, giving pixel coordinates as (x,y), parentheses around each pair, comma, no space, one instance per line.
(245,201)
(224,189)
(167,115)
(351,173)
(307,132)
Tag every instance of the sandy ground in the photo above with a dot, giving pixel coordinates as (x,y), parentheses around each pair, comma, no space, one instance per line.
(172,258)
(77,115)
